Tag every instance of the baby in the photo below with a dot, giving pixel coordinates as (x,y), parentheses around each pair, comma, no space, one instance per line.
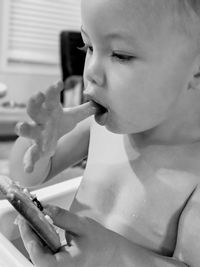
(139,200)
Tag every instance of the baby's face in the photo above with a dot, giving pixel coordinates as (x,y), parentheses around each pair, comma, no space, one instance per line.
(137,63)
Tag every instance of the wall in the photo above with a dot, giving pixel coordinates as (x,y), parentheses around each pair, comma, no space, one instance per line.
(21,85)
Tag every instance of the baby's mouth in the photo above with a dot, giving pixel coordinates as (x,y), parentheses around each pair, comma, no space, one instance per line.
(101,113)
(100,109)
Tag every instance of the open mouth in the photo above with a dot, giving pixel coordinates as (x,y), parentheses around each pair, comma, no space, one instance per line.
(100,109)
(102,112)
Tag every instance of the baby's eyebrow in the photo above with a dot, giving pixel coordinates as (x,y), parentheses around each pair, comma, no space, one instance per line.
(118,35)
(112,35)
(122,35)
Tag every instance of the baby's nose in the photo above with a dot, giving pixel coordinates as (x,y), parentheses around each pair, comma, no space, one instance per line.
(94,71)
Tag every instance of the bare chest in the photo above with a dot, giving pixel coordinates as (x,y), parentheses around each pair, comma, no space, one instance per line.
(127,195)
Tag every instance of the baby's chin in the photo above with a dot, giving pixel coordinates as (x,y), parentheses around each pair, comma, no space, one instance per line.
(124,129)
(117,124)
(117,128)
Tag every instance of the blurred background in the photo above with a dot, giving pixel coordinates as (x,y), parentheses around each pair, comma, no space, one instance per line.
(38,46)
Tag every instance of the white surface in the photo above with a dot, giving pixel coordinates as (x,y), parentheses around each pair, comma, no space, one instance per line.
(10,256)
(60,194)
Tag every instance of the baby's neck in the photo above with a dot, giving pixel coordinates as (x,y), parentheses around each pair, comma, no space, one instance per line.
(183,134)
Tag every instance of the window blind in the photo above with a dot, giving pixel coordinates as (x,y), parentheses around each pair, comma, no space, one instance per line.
(34,27)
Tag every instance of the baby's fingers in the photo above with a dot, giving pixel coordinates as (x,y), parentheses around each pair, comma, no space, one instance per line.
(25,129)
(31,156)
(52,97)
(81,112)
(66,220)
(39,254)
(35,108)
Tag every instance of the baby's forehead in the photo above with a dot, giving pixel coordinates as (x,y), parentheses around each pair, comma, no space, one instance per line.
(178,10)
(149,10)
(156,13)
(152,6)
(143,18)
(154,9)
(149,15)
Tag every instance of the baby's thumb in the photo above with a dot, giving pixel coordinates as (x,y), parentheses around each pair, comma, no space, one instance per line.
(66,220)
(81,112)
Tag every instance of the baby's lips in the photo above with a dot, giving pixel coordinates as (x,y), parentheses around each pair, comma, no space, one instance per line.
(82,112)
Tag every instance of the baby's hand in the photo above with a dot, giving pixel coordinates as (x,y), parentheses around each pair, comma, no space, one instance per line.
(46,112)
(89,243)
(48,119)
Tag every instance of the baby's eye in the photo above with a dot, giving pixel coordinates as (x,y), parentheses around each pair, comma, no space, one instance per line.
(86,48)
(122,57)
